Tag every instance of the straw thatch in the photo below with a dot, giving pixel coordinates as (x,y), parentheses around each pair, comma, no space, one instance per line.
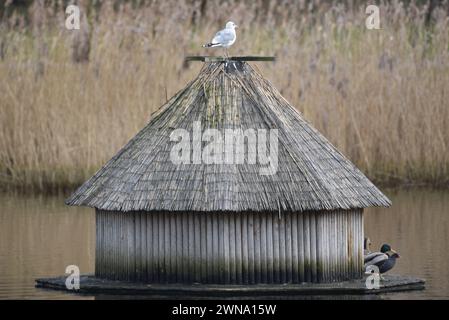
(311,175)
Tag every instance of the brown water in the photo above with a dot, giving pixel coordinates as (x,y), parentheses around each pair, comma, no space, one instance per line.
(40,236)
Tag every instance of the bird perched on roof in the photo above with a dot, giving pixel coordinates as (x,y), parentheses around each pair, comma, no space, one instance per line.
(384,260)
(224,38)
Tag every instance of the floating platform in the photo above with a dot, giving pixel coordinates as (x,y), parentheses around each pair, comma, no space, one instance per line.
(89,284)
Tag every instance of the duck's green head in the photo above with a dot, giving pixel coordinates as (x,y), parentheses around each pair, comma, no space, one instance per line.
(386,248)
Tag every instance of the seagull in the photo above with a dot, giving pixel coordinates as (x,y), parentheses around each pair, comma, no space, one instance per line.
(224,38)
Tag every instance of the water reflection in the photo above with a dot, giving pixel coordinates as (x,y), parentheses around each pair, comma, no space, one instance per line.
(40,236)
(417,226)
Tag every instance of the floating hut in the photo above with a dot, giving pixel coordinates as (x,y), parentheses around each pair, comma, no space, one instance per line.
(200,220)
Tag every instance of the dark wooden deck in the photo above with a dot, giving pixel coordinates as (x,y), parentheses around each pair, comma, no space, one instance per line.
(92,285)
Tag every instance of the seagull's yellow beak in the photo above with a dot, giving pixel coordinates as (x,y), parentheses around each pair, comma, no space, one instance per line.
(236,26)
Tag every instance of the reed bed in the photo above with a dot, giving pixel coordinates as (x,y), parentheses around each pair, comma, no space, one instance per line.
(71,99)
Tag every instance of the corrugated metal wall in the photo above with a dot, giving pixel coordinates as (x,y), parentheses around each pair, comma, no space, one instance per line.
(230,248)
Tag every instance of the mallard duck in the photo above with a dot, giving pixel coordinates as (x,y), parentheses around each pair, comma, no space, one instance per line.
(366,246)
(384,260)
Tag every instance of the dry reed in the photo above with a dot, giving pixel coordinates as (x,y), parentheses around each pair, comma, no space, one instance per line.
(379,95)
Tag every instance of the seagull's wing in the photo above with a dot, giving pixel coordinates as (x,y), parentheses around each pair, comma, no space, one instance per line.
(217,38)
(223,36)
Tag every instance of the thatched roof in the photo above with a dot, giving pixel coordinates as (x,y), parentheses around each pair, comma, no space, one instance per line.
(311,175)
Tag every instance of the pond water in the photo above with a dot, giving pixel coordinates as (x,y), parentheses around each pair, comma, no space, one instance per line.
(40,236)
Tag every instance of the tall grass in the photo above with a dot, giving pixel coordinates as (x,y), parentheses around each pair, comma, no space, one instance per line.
(70,99)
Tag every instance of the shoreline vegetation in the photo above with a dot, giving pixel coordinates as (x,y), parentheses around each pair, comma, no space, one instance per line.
(71,99)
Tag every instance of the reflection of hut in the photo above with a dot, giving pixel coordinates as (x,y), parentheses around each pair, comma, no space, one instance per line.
(165,222)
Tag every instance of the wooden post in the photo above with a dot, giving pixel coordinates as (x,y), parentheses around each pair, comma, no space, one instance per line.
(224,59)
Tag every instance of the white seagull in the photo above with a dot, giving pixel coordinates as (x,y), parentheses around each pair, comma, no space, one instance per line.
(224,38)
